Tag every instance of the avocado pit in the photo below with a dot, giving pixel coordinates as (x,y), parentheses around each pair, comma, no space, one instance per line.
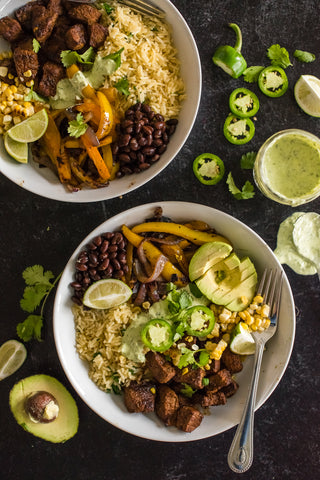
(41,407)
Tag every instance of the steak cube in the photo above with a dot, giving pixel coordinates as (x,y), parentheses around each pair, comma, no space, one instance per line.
(220,379)
(76,37)
(194,377)
(188,418)
(161,370)
(24,13)
(10,29)
(167,404)
(210,398)
(85,13)
(44,20)
(231,361)
(52,74)
(98,34)
(230,389)
(25,60)
(139,397)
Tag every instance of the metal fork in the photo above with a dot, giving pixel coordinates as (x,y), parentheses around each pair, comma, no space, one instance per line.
(240,455)
(139,6)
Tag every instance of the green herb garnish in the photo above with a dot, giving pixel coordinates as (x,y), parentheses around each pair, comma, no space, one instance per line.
(244,194)
(70,57)
(302,56)
(35,45)
(38,287)
(108,8)
(247,160)
(251,74)
(33,96)
(187,390)
(178,300)
(279,56)
(116,57)
(77,127)
(123,86)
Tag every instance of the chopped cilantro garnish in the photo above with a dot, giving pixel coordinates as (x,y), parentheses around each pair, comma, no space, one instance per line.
(245,193)
(279,56)
(247,160)
(123,86)
(77,127)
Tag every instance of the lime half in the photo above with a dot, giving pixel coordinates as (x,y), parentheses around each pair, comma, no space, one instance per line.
(242,341)
(30,129)
(17,150)
(307,94)
(12,356)
(106,293)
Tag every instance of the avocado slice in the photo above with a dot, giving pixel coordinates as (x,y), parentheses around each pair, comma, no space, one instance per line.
(231,283)
(206,256)
(55,430)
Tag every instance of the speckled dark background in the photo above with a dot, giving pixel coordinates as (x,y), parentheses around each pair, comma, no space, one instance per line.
(37,230)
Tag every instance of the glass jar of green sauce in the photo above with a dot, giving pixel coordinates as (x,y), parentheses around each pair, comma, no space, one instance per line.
(287,167)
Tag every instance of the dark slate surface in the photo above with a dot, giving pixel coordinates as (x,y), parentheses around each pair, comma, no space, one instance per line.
(37,230)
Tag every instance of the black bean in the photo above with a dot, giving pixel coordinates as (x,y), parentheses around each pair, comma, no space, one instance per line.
(123,157)
(162,149)
(144,166)
(149,151)
(82,267)
(172,121)
(97,241)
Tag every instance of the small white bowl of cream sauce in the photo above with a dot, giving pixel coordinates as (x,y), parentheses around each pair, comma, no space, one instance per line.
(287,167)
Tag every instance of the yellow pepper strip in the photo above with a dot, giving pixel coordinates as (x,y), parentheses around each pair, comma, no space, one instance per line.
(197,225)
(110,92)
(72,143)
(176,255)
(170,272)
(88,91)
(107,156)
(106,117)
(106,141)
(195,236)
(95,155)
(82,176)
(93,108)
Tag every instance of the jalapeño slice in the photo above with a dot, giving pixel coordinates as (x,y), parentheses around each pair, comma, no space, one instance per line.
(199,321)
(157,334)
(243,103)
(273,81)
(238,130)
(208,168)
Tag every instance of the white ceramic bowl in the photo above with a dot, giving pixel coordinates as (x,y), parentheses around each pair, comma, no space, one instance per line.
(111,407)
(43,182)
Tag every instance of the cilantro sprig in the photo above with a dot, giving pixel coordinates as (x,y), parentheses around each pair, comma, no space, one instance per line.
(279,56)
(247,160)
(122,86)
(116,57)
(251,74)
(35,45)
(39,284)
(245,193)
(303,56)
(33,96)
(77,127)
(71,57)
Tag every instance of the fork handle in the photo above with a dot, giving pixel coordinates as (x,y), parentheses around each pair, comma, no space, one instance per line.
(240,455)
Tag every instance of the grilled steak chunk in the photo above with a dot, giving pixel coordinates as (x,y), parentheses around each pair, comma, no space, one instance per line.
(167,404)
(231,361)
(220,379)
(85,13)
(188,418)
(138,397)
(98,34)
(76,37)
(26,59)
(24,14)
(230,389)
(210,398)
(193,378)
(10,29)
(161,370)
(52,74)
(44,20)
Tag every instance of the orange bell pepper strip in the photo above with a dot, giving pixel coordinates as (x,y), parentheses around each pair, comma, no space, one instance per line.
(106,141)
(93,108)
(108,158)
(106,118)
(170,272)
(97,159)
(51,142)
(88,91)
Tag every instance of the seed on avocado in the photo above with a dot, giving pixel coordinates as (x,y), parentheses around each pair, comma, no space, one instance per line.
(42,407)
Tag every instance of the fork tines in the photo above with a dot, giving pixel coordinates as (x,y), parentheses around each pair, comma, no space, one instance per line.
(143,7)
(270,289)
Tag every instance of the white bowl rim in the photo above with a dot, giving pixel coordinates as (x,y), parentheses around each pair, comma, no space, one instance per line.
(157,431)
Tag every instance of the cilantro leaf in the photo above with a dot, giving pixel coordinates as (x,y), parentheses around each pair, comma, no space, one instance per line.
(247,160)
(77,127)
(116,57)
(108,8)
(177,299)
(30,328)
(34,96)
(251,74)
(302,56)
(36,274)
(187,357)
(123,86)
(35,45)
(244,194)
(187,390)
(279,56)
(70,57)
(32,297)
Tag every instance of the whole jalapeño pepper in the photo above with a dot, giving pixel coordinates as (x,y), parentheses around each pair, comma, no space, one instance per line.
(230,58)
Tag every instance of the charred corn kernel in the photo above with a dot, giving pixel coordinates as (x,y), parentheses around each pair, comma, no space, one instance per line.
(10,76)
(258,299)
(28,73)
(244,299)
(257,321)
(253,327)
(189,338)
(210,346)
(16,120)
(224,327)
(30,83)
(242,315)
(249,320)
(3,71)
(7,119)
(153,390)
(265,310)
(185,371)
(226,337)
(218,351)
(207,367)
(146,305)
(26,104)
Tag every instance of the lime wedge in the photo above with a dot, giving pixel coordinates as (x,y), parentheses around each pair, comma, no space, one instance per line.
(106,293)
(307,94)
(12,356)
(242,341)
(30,129)
(17,150)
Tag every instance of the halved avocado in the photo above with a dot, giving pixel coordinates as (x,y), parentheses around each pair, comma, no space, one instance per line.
(55,430)
(206,256)
(231,283)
